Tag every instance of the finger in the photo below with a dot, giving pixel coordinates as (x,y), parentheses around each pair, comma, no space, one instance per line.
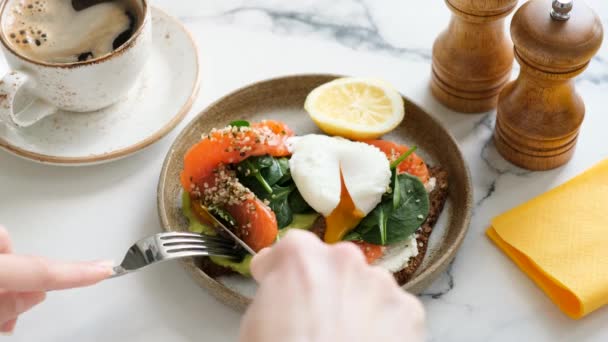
(409,309)
(384,277)
(12,304)
(348,252)
(414,306)
(5,241)
(259,260)
(261,263)
(27,273)
(295,243)
(8,327)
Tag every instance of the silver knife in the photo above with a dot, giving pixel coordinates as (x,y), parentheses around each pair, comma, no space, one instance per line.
(218,224)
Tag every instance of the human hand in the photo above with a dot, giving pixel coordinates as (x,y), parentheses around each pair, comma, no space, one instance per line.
(24,280)
(310,291)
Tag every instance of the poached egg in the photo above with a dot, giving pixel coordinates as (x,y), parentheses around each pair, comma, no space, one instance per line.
(341,179)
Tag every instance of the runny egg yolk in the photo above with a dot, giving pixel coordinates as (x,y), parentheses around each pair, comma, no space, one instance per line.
(342,219)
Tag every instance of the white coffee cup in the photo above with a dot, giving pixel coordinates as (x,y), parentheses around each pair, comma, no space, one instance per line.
(43,88)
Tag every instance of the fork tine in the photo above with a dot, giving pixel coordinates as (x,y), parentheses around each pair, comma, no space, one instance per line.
(178,234)
(182,241)
(173,235)
(177,251)
(198,247)
(195,253)
(187,235)
(175,245)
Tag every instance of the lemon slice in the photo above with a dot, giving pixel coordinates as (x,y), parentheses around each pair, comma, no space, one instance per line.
(355,108)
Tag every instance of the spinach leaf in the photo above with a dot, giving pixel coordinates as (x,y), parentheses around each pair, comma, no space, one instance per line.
(252,167)
(284,165)
(279,203)
(278,199)
(283,213)
(353,235)
(270,179)
(297,203)
(267,170)
(281,193)
(262,162)
(240,123)
(396,194)
(382,224)
(396,217)
(275,172)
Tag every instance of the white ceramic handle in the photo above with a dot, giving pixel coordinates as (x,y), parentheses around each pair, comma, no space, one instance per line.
(34,111)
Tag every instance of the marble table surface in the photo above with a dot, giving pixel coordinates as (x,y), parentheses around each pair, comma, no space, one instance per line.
(96,212)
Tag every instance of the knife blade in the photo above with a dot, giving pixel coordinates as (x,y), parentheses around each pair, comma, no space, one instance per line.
(217,224)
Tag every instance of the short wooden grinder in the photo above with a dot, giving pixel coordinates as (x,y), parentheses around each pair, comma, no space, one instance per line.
(539,114)
(472,58)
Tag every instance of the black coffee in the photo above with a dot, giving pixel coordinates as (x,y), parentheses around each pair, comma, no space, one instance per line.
(63,31)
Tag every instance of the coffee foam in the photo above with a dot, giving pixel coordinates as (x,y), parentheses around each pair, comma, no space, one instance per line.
(53,31)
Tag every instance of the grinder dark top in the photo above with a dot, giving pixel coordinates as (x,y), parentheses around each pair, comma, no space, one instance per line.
(539,114)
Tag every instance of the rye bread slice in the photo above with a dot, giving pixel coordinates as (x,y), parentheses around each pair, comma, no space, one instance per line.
(437,200)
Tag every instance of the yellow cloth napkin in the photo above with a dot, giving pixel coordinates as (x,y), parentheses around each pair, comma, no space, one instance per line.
(560,240)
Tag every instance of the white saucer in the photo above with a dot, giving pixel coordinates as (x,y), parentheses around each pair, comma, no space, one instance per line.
(156,104)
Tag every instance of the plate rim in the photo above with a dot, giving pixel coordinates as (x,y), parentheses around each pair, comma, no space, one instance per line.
(128,150)
(240,302)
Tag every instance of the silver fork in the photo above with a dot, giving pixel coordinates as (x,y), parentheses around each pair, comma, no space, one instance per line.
(174,245)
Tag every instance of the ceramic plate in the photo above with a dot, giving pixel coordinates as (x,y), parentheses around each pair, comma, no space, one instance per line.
(155,105)
(283,99)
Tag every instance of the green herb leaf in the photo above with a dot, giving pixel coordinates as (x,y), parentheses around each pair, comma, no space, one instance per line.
(262,162)
(240,123)
(284,165)
(297,203)
(396,194)
(353,236)
(282,211)
(280,193)
(251,167)
(222,215)
(279,203)
(382,224)
(389,223)
(270,179)
(402,157)
(274,172)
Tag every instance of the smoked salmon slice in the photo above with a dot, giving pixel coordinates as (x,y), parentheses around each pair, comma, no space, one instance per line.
(206,177)
(414,165)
